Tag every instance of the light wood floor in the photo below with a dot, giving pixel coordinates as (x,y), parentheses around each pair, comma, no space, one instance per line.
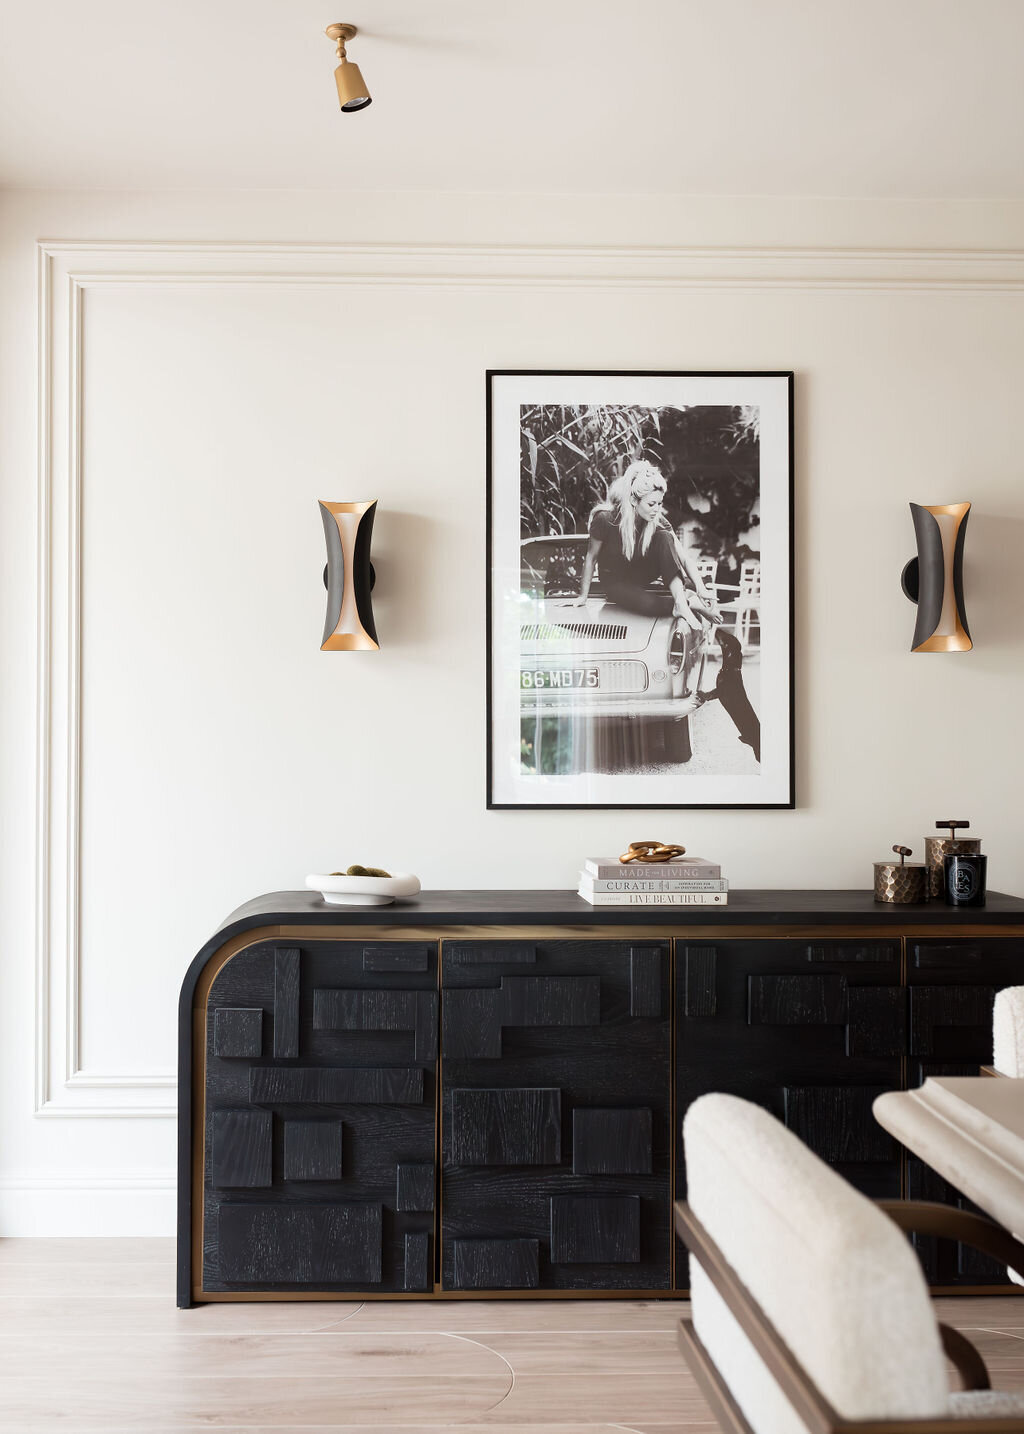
(90,1341)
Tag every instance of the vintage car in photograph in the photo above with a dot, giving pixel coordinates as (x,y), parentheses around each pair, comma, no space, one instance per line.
(601,688)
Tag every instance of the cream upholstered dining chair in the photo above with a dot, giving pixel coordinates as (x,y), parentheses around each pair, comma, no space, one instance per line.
(1008,1032)
(810,1312)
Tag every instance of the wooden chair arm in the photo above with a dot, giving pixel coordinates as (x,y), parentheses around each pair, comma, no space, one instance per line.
(928,1217)
(969,1364)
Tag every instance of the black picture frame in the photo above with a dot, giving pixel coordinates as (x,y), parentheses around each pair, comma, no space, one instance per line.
(626,750)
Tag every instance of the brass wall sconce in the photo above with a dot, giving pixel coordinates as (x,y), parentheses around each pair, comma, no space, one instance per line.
(349,577)
(352,92)
(935,578)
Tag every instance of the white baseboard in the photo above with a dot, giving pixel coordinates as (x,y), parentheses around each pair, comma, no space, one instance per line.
(84,1202)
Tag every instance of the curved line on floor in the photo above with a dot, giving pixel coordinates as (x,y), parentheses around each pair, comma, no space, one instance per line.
(497,1353)
(322,1329)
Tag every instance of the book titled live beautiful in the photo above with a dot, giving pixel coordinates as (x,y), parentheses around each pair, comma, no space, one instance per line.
(694,868)
(655,898)
(644,883)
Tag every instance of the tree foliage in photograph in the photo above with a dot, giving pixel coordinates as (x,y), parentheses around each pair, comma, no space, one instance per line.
(709,454)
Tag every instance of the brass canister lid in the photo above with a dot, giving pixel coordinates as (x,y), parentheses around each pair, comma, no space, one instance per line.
(902,883)
(936,849)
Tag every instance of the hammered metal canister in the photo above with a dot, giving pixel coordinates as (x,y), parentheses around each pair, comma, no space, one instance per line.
(902,883)
(936,849)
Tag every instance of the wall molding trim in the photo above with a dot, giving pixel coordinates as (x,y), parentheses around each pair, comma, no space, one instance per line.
(66,270)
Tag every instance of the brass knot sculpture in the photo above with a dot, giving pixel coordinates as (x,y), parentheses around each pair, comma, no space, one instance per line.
(652,851)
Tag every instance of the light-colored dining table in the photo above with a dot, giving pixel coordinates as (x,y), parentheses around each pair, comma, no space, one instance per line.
(971,1130)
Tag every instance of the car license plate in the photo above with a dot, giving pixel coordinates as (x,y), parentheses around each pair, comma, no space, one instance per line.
(560,677)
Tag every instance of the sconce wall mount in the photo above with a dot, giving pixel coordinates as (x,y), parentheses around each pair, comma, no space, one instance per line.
(349,577)
(935,578)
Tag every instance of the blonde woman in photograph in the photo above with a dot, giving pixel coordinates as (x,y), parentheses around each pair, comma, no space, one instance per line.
(633,542)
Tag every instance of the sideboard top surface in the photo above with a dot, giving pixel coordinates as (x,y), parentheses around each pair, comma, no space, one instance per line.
(565,908)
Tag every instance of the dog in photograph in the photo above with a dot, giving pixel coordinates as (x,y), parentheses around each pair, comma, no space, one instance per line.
(730,691)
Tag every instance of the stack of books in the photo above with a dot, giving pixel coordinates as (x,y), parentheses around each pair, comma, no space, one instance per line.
(690,881)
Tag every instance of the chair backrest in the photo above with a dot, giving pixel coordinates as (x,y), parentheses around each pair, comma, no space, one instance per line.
(834,1276)
(1008,1032)
(750,578)
(708,569)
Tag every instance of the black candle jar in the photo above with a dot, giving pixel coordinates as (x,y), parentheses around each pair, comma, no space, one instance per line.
(965,878)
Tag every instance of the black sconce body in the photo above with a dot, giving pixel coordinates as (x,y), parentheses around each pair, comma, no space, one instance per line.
(935,578)
(349,576)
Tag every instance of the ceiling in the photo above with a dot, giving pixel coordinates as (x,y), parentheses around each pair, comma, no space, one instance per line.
(886,98)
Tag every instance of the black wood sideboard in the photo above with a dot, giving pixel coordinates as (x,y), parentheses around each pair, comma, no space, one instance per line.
(480,1093)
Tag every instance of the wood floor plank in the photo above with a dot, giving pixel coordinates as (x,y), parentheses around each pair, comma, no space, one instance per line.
(468,1316)
(620,1397)
(340,1353)
(51,1318)
(141,1401)
(160,1250)
(651,1352)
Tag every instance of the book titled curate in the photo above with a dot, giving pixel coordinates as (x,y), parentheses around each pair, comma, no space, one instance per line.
(655,898)
(694,868)
(625,884)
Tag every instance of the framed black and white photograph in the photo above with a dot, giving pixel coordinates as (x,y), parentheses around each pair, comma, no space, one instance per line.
(640,572)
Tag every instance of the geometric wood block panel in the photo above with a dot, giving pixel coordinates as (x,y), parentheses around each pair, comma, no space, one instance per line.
(300,1244)
(381,1010)
(881,951)
(270,1085)
(242,1148)
(317,1137)
(876,1021)
(414,1187)
(797,1001)
(611,1142)
(567,1030)
(595,1229)
(645,981)
(490,953)
(471,1024)
(699,976)
(506,1127)
(473,1021)
(417,1272)
(286,1003)
(837,1124)
(941,1018)
(238,1033)
(413,956)
(495,1264)
(312,1149)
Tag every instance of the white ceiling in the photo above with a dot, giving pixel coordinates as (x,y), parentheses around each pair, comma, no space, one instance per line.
(890,98)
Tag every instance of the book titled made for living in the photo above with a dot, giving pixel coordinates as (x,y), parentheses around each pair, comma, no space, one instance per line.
(694,868)
(638,883)
(655,898)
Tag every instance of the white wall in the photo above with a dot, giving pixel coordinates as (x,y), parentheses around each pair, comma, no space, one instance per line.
(219,393)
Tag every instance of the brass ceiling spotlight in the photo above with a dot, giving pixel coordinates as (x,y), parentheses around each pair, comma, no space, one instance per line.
(352,92)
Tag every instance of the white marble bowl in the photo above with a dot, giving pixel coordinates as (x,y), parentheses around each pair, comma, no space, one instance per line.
(363,890)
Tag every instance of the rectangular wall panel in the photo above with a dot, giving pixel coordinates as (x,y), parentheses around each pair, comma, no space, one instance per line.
(303,1244)
(495,1264)
(611,1142)
(242,1148)
(417,1274)
(270,1086)
(595,1229)
(286,1003)
(645,982)
(506,1127)
(313,1150)
(238,1033)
